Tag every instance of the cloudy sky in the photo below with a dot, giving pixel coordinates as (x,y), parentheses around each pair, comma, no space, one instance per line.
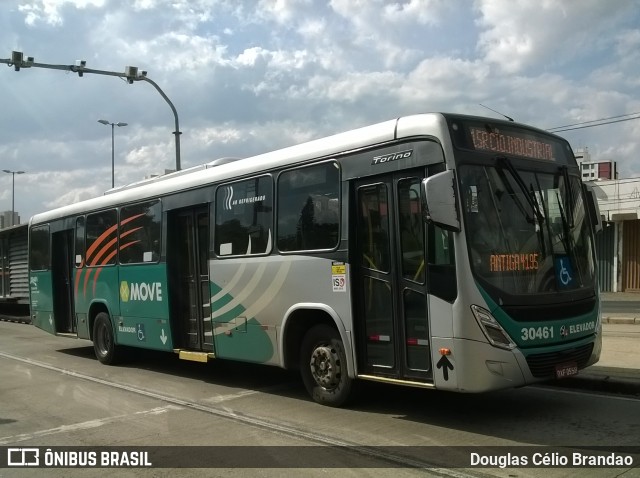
(251,76)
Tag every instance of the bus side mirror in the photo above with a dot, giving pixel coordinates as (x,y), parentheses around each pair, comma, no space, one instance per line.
(592,207)
(439,201)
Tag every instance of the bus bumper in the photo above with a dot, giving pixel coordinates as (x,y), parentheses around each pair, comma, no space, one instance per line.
(480,367)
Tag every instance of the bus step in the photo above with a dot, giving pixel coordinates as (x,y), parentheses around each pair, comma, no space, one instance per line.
(67,334)
(195,356)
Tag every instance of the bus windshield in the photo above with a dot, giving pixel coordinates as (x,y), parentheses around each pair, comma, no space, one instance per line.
(527,231)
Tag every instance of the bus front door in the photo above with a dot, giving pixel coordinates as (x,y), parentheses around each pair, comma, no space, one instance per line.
(188,262)
(390,290)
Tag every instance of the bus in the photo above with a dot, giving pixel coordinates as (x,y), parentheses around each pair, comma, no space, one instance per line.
(435,250)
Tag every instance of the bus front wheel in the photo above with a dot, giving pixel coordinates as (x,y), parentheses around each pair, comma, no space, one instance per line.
(104,343)
(323,365)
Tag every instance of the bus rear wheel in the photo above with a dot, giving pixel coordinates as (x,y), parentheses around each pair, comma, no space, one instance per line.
(104,343)
(323,366)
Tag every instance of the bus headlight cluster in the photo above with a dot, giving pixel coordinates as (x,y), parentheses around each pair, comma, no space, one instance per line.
(494,332)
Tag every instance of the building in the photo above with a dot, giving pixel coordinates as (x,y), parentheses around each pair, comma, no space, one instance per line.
(618,244)
(594,170)
(5,219)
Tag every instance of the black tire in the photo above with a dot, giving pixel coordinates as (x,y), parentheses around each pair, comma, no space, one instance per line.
(323,366)
(104,344)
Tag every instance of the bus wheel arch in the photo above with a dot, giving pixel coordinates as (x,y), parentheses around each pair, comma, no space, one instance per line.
(298,321)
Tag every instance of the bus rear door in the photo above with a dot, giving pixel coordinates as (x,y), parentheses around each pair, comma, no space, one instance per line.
(188,261)
(62,282)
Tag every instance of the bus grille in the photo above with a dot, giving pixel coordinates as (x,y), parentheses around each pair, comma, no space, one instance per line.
(544,312)
(544,365)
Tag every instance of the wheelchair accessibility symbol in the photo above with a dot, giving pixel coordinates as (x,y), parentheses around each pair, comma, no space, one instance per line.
(564,272)
(140,332)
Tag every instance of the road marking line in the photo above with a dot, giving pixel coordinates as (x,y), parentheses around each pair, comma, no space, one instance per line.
(85,425)
(233,396)
(258,422)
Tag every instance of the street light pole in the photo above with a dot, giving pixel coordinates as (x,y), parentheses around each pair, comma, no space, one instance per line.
(113,158)
(13,192)
(177,132)
(130,74)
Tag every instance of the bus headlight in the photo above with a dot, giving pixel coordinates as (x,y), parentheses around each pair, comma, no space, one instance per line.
(494,332)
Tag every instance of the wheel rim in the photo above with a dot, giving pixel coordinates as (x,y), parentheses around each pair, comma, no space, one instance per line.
(325,367)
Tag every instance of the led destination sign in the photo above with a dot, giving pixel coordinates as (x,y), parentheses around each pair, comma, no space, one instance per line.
(513,262)
(512,143)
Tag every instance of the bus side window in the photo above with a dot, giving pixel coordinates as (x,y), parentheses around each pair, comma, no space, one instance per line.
(139,233)
(411,230)
(39,254)
(101,237)
(373,227)
(244,217)
(309,208)
(79,243)
(442,264)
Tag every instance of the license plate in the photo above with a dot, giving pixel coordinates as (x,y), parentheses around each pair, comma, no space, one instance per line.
(566,370)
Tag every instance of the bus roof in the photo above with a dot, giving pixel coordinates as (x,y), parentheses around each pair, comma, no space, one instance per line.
(228,168)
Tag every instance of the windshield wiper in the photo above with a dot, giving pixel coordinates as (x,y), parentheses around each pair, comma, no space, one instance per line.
(504,162)
(570,205)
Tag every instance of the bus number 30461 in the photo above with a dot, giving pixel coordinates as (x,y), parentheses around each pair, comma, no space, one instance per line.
(533,333)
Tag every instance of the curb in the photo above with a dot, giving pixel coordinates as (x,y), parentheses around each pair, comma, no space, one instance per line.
(603,379)
(620,320)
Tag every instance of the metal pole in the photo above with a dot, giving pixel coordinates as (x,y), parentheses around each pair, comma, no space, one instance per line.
(13,195)
(113,148)
(177,132)
(113,160)
(131,74)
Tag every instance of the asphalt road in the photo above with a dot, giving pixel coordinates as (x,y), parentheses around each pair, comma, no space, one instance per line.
(54,392)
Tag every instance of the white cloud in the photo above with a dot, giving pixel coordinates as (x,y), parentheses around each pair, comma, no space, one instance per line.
(282,12)
(424,12)
(628,43)
(249,77)
(313,28)
(522,34)
(444,78)
(224,134)
(55,188)
(49,11)
(367,29)
(74,195)
(144,4)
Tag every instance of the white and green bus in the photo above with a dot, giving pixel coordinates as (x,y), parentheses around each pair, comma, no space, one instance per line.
(436,250)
